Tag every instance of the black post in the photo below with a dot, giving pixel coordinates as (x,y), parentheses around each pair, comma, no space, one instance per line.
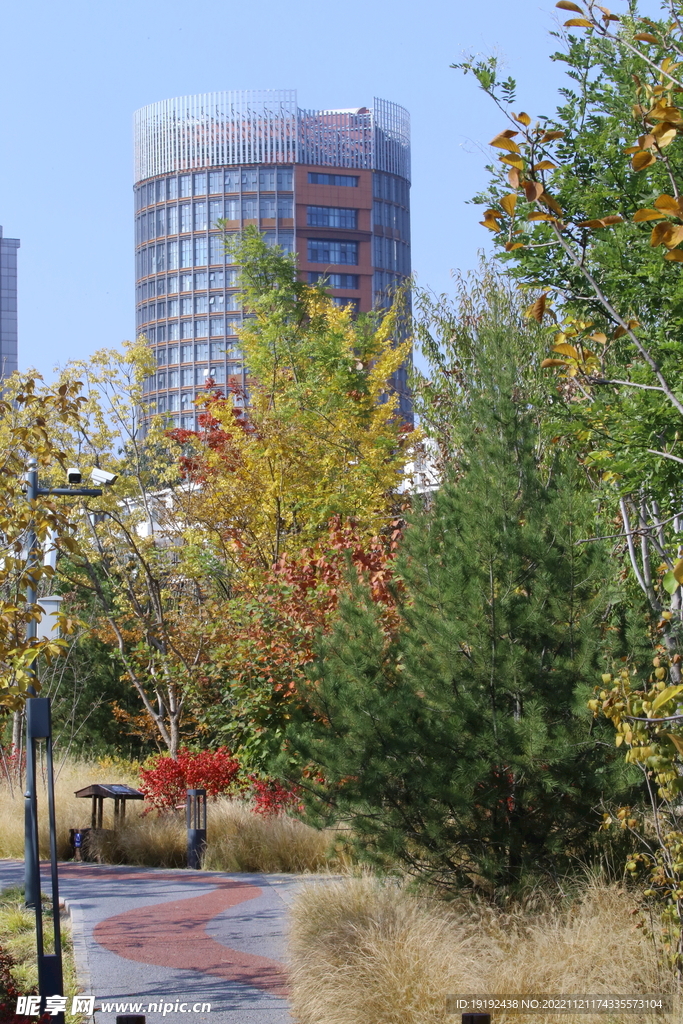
(195,815)
(39,727)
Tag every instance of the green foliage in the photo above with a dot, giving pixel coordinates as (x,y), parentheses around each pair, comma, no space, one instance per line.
(461,744)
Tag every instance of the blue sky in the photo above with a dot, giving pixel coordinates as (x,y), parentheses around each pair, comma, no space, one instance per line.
(74,72)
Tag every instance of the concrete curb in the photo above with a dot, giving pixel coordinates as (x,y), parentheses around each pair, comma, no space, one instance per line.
(80,947)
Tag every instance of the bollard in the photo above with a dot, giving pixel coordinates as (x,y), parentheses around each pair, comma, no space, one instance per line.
(469,1018)
(195,813)
(131,1018)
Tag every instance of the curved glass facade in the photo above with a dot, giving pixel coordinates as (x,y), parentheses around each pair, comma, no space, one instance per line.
(252,158)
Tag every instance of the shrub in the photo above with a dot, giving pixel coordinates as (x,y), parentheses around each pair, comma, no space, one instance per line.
(164,783)
(8,989)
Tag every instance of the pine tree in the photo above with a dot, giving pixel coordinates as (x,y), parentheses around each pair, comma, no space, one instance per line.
(462,744)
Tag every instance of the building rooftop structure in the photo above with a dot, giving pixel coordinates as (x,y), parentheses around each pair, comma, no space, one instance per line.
(331,185)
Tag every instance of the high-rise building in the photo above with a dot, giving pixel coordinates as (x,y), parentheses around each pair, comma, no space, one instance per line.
(331,185)
(8,305)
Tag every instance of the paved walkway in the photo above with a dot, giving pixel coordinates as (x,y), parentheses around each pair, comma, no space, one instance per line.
(149,936)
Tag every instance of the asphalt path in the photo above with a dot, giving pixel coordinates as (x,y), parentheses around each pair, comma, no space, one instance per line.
(177,938)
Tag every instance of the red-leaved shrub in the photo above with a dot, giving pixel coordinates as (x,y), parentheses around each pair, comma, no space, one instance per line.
(164,783)
(271,797)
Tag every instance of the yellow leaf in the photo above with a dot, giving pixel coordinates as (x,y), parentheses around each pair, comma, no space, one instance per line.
(641,160)
(522,118)
(665,695)
(675,237)
(667,234)
(646,37)
(550,203)
(566,5)
(533,190)
(542,216)
(619,332)
(490,223)
(509,246)
(641,215)
(669,205)
(676,255)
(664,113)
(646,141)
(599,336)
(614,218)
(604,222)
(553,362)
(545,165)
(565,349)
(578,23)
(503,142)
(678,570)
(630,150)
(551,136)
(537,309)
(513,177)
(513,161)
(509,203)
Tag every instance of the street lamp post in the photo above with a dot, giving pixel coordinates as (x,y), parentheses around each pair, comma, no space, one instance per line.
(39,727)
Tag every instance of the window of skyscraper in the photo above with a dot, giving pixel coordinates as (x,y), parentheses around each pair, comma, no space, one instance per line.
(249,209)
(267,179)
(331,217)
(186,377)
(186,353)
(172,355)
(173,281)
(200,279)
(200,375)
(232,209)
(161,404)
(284,179)
(249,180)
(186,306)
(161,222)
(161,309)
(233,301)
(161,285)
(201,351)
(216,249)
(161,332)
(216,183)
(186,282)
(332,251)
(232,277)
(172,219)
(200,184)
(217,349)
(201,328)
(347,180)
(186,401)
(217,279)
(161,357)
(217,374)
(186,252)
(172,306)
(200,251)
(215,212)
(151,233)
(217,326)
(200,216)
(186,330)
(185,186)
(333,280)
(173,400)
(285,207)
(232,181)
(161,381)
(268,207)
(185,217)
(161,257)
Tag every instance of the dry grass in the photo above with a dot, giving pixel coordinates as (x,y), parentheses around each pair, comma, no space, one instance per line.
(238,840)
(72,812)
(361,951)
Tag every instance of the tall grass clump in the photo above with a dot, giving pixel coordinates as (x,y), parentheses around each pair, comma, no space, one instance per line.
(72,812)
(237,840)
(364,951)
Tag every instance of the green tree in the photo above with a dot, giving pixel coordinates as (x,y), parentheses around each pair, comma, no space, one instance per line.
(461,743)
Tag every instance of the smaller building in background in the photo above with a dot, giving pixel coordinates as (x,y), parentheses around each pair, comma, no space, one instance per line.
(8,305)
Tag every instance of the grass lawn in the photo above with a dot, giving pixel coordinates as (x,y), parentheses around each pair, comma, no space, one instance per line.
(18,938)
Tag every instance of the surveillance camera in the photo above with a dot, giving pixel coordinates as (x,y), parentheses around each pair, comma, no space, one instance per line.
(101,476)
(73,475)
